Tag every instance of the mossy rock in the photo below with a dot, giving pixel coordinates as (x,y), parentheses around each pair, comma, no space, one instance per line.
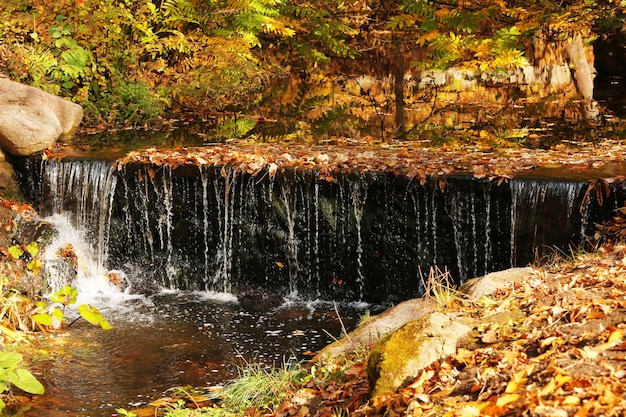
(374,328)
(399,357)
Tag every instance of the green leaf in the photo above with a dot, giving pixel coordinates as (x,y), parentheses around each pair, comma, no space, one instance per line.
(57,318)
(44,319)
(15,251)
(428,25)
(66,296)
(93,316)
(24,380)
(9,360)
(33,249)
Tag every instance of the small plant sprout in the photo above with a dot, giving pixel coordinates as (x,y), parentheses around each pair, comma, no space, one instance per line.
(51,315)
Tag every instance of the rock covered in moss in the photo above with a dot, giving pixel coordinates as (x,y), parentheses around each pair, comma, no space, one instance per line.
(401,355)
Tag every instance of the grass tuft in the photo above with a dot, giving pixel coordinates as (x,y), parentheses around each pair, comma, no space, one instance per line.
(440,287)
(260,388)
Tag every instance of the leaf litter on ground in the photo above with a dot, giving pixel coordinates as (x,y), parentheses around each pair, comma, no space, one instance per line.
(566,357)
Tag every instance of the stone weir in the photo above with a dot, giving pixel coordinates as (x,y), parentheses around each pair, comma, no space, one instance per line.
(341,234)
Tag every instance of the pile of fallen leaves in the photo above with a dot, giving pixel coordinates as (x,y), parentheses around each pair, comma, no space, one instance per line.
(398,157)
(566,356)
(613,231)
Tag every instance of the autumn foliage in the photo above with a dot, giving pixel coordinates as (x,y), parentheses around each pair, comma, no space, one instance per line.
(135,63)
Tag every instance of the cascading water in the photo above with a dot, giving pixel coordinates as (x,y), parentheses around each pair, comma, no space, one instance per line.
(84,192)
(159,342)
(542,211)
(360,236)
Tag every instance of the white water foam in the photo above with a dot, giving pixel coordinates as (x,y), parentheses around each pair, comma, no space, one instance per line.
(92,279)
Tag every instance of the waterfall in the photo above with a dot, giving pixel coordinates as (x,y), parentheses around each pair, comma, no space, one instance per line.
(546,216)
(225,198)
(83,191)
(359,195)
(355,236)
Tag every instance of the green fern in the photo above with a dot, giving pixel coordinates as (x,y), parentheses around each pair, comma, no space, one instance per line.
(463,20)
(328,119)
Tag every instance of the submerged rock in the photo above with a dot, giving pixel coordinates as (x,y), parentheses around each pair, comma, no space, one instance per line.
(259,300)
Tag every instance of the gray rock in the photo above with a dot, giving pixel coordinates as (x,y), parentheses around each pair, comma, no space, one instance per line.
(413,334)
(372,329)
(31,120)
(27,130)
(487,285)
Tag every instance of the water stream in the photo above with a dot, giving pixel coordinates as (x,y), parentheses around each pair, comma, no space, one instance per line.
(166,340)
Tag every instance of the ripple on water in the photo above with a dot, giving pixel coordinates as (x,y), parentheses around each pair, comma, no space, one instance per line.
(173,339)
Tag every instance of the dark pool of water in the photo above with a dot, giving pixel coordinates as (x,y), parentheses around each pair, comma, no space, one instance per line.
(173,340)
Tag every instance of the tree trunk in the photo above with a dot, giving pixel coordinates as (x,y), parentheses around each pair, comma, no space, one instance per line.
(398,84)
(583,74)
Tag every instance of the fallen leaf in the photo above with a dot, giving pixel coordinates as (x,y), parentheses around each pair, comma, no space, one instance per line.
(507,399)
(588,353)
(570,401)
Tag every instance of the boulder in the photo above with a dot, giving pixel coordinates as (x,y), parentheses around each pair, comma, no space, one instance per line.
(414,334)
(31,120)
(27,130)
(372,329)
(476,288)
(400,356)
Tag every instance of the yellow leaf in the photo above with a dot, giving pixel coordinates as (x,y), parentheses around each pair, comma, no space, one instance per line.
(552,340)
(588,353)
(616,336)
(571,400)
(609,398)
(279,264)
(614,339)
(469,411)
(555,383)
(519,379)
(593,315)
(507,399)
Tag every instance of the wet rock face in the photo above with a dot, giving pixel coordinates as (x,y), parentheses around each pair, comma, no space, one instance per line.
(20,230)
(31,120)
(363,236)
